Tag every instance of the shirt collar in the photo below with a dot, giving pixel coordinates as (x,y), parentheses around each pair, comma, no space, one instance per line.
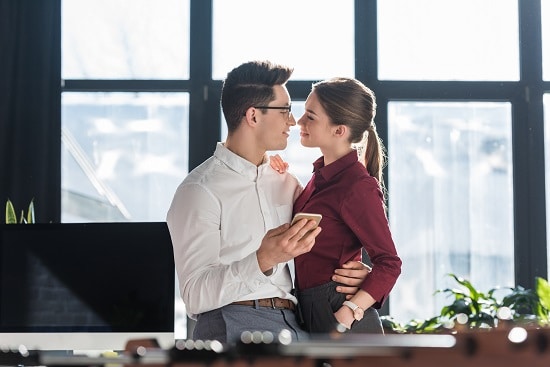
(237,163)
(328,172)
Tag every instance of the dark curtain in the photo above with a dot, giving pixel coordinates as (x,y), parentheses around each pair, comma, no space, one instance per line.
(30,106)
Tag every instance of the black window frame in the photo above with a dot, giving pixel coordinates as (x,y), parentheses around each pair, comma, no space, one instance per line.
(525,96)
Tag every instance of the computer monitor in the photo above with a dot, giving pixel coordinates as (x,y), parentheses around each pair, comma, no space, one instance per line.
(85,286)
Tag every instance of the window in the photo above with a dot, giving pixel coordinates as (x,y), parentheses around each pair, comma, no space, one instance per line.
(122,157)
(447,79)
(124,144)
(450,199)
(124,151)
(125,39)
(448,40)
(245,30)
(546,103)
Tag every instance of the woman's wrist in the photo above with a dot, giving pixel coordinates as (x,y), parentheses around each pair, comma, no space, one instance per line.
(344,316)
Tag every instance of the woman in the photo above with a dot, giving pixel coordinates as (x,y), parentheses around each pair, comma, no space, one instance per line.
(347,190)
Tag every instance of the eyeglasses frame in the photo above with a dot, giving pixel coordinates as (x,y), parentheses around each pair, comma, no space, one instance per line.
(289,108)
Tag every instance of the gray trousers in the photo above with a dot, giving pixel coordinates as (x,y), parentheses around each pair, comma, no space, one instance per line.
(226,324)
(318,305)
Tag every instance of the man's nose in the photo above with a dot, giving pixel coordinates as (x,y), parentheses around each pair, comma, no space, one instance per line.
(292,120)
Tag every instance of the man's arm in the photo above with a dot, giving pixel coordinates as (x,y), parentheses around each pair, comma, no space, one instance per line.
(351,275)
(205,282)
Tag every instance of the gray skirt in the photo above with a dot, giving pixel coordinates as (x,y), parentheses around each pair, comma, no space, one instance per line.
(318,305)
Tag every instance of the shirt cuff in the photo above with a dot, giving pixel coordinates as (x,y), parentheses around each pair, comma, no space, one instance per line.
(250,273)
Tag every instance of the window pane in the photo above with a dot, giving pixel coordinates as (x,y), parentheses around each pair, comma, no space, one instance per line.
(299,158)
(450,199)
(245,30)
(545,17)
(125,39)
(448,40)
(546,104)
(123,155)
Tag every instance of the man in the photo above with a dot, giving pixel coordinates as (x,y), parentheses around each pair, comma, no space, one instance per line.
(234,276)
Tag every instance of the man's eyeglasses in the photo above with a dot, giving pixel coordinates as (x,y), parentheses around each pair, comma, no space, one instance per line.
(287,109)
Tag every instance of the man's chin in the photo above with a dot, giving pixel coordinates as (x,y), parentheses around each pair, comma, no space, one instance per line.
(281,146)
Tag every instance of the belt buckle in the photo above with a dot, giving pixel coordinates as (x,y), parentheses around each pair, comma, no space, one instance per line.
(273,303)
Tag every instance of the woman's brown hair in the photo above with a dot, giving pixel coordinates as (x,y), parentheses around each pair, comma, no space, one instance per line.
(349,102)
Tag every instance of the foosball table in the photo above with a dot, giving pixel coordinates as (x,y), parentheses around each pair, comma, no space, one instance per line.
(510,347)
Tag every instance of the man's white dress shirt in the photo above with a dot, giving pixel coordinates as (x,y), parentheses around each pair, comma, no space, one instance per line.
(217,219)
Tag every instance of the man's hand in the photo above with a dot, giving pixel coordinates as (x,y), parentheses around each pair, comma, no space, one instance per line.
(284,243)
(351,276)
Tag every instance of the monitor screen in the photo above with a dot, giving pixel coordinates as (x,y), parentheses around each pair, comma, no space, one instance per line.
(67,281)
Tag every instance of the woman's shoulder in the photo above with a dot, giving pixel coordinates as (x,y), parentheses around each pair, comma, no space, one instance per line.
(359,172)
(359,178)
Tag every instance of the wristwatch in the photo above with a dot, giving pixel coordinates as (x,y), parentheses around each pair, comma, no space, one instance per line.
(358,312)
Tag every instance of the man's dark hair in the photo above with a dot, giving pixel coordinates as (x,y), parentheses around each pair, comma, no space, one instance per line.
(250,84)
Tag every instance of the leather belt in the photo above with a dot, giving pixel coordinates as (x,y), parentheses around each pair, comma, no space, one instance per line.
(275,302)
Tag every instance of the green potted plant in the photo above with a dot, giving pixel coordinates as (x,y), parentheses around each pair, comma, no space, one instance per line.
(11,216)
(471,308)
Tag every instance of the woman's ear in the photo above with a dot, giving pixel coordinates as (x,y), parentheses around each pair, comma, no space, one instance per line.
(340,130)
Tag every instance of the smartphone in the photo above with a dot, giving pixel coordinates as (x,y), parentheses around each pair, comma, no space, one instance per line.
(316,217)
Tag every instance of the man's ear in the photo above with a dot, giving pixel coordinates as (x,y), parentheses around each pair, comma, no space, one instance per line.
(250,116)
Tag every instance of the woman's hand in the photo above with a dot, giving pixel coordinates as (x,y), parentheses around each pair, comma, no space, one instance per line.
(277,163)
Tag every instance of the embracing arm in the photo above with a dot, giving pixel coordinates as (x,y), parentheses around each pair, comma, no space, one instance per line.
(351,275)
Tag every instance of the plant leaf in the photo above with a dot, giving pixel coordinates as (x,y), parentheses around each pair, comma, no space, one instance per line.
(30,212)
(543,291)
(11,218)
